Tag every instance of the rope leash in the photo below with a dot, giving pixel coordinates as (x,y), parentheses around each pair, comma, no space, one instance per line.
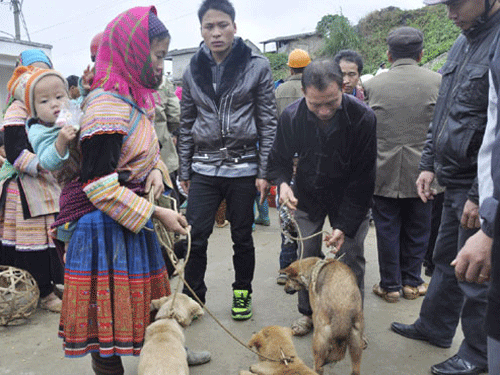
(165,240)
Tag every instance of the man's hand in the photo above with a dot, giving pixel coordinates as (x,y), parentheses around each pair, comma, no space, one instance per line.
(171,220)
(470,216)
(262,185)
(473,262)
(423,183)
(336,239)
(185,186)
(286,195)
(155,182)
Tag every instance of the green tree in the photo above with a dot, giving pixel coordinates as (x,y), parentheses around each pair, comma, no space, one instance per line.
(338,34)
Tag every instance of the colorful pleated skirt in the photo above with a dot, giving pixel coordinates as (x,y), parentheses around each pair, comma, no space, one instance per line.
(23,234)
(111,276)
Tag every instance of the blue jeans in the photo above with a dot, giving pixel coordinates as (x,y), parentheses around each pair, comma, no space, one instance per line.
(447,300)
(403,227)
(205,195)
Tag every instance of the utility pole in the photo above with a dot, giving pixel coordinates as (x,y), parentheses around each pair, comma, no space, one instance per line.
(17,10)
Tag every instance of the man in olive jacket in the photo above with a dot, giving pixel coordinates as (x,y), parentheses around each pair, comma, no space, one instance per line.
(403,100)
(228,123)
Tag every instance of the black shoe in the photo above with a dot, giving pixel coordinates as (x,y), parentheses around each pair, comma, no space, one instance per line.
(456,366)
(409,331)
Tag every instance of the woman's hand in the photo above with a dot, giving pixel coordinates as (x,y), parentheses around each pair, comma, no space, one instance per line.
(172,220)
(155,182)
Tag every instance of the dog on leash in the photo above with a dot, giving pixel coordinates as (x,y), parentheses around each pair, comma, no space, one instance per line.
(337,309)
(275,342)
(163,352)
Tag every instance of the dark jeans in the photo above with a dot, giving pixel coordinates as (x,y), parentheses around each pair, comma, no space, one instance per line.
(447,300)
(205,195)
(352,251)
(288,253)
(403,228)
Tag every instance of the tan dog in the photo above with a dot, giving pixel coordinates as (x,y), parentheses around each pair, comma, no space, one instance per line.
(163,352)
(184,311)
(275,342)
(337,309)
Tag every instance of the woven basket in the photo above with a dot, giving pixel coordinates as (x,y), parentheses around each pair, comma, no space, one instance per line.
(19,295)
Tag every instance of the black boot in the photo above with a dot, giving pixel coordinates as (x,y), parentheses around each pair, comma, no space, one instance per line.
(107,365)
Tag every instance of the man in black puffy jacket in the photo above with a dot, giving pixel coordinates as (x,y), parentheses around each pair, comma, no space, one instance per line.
(228,123)
(450,154)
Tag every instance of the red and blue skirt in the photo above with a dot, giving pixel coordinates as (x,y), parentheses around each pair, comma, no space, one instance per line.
(111,276)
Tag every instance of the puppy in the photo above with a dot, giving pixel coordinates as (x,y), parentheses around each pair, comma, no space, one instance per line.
(184,311)
(164,352)
(275,342)
(337,309)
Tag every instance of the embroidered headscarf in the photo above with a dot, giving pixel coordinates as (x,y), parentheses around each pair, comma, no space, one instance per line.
(123,63)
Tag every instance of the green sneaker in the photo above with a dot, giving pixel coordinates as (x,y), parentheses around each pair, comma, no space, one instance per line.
(242,305)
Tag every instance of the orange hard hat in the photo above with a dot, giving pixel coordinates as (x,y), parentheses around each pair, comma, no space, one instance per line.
(94,44)
(298,58)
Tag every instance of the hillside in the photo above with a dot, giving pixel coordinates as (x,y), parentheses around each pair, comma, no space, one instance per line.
(439,32)
(439,35)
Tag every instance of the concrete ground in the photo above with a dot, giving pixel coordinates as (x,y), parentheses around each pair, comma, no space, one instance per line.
(34,348)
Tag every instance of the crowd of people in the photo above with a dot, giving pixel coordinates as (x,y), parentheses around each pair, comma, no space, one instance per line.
(402,148)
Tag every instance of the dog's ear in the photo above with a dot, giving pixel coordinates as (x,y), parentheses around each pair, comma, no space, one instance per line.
(255,341)
(290,271)
(156,304)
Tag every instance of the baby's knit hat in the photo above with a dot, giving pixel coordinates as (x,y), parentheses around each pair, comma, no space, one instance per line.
(31,56)
(23,81)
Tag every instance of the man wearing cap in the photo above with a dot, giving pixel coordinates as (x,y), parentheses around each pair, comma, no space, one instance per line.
(403,100)
(450,154)
(334,136)
(291,90)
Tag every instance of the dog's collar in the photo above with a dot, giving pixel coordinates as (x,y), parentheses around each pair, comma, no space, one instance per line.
(317,269)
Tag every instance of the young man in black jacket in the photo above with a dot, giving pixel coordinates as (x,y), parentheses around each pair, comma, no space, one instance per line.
(450,154)
(334,137)
(228,123)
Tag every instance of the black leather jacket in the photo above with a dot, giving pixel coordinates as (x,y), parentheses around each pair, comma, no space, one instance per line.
(234,124)
(459,121)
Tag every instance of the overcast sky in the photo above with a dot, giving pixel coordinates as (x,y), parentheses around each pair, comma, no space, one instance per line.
(69,25)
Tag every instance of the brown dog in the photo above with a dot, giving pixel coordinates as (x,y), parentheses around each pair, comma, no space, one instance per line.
(275,342)
(337,309)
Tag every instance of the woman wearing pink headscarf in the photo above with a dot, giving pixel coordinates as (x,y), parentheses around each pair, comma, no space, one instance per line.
(114,265)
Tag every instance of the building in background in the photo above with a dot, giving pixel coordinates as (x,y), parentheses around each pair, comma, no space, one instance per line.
(9,51)
(311,42)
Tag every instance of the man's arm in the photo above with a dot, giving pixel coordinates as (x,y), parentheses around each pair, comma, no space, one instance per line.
(186,142)
(473,262)
(265,116)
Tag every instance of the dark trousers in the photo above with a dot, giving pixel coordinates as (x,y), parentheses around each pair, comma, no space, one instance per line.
(447,300)
(205,195)
(351,253)
(437,210)
(403,228)
(43,265)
